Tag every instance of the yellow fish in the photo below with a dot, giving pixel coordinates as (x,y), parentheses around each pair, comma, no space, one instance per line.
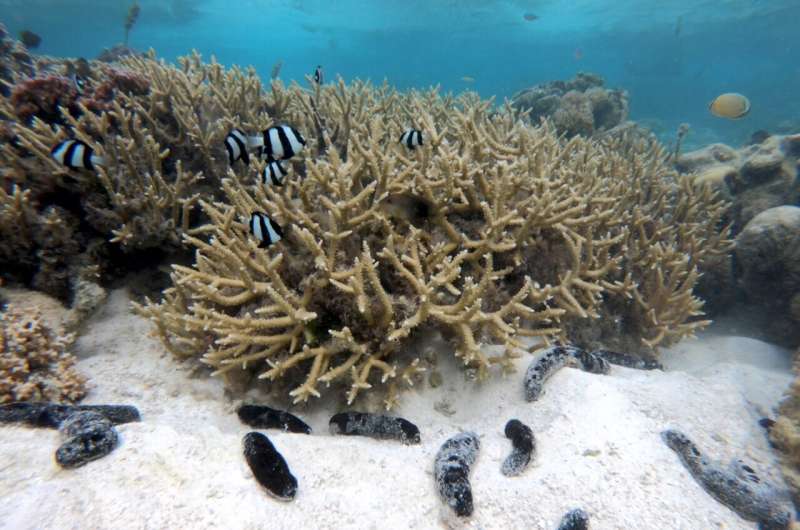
(731,105)
(468,79)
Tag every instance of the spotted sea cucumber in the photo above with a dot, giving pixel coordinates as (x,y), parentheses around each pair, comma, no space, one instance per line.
(555,358)
(740,489)
(377,426)
(523,448)
(575,519)
(629,361)
(89,436)
(451,471)
(269,467)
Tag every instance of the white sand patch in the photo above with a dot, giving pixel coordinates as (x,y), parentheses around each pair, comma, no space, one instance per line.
(598,447)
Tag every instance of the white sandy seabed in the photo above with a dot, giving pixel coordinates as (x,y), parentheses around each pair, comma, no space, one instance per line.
(598,447)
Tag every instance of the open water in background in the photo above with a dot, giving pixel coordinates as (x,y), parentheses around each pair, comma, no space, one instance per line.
(673,57)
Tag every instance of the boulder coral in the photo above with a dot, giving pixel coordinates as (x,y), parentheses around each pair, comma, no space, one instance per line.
(578,106)
(768,255)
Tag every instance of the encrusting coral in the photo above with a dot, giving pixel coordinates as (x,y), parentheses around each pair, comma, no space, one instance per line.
(34,362)
(491,232)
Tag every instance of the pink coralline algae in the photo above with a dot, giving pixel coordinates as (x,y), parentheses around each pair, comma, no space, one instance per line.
(42,97)
(115,80)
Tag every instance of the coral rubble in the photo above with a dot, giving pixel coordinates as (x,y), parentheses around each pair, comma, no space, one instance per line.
(578,106)
(34,362)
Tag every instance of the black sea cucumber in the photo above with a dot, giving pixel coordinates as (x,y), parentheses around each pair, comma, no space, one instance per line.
(89,436)
(269,466)
(263,417)
(42,414)
(451,471)
(555,358)
(629,361)
(740,489)
(524,446)
(575,519)
(375,426)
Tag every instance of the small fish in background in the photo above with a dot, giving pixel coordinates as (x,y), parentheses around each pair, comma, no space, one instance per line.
(78,72)
(730,105)
(319,78)
(530,17)
(412,138)
(274,173)
(265,230)
(578,54)
(279,142)
(75,154)
(468,79)
(30,39)
(276,70)
(236,146)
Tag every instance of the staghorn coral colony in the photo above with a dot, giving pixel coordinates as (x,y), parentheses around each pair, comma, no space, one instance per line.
(493,231)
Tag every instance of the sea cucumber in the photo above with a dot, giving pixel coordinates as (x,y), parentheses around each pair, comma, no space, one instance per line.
(451,471)
(268,466)
(575,519)
(629,361)
(263,417)
(555,358)
(375,426)
(42,414)
(741,490)
(90,435)
(524,446)
(592,363)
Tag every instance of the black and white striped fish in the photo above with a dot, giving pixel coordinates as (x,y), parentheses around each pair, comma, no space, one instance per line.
(318,77)
(274,173)
(236,146)
(412,138)
(76,154)
(280,142)
(265,230)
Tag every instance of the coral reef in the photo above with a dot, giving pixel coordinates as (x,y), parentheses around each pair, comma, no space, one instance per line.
(490,232)
(15,61)
(578,106)
(34,362)
(768,256)
(754,178)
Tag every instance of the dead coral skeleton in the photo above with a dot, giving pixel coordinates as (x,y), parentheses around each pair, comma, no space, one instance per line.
(515,230)
(34,362)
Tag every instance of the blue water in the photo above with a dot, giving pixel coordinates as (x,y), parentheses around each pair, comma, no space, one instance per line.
(673,57)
